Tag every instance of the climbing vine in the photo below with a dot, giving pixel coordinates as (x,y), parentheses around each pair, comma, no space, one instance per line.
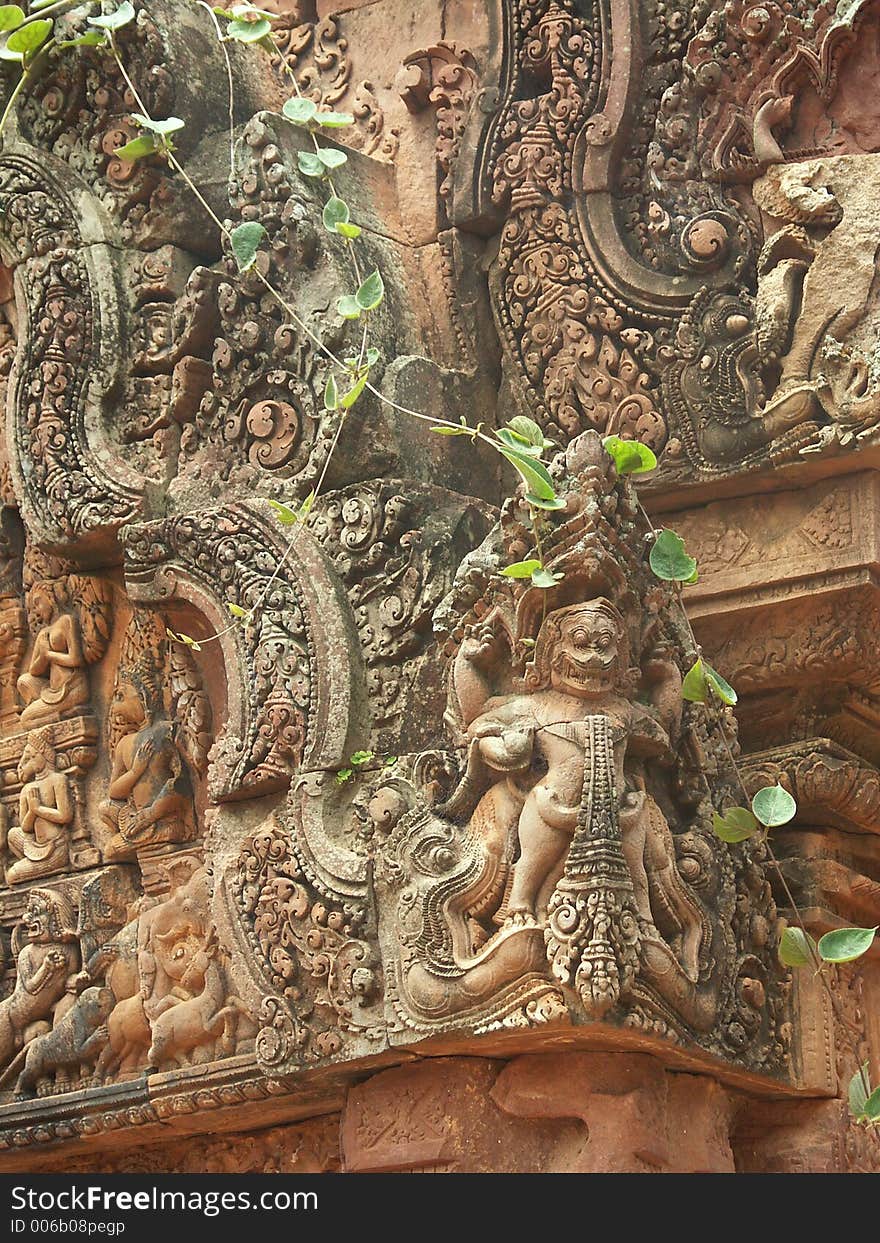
(28,38)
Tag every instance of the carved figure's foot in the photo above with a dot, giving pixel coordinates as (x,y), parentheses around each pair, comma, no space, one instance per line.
(521,919)
(794,404)
(118,848)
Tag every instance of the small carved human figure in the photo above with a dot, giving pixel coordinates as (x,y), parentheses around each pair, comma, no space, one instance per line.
(150,797)
(55,684)
(40,841)
(47,956)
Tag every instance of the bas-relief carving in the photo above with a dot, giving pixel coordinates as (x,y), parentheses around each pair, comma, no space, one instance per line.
(559,866)
(538,852)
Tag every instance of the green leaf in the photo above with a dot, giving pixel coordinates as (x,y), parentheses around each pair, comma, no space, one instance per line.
(335,213)
(245,240)
(331,157)
(371,292)
(736,825)
(299,111)
(858,1095)
(361,757)
(248,32)
(872,1106)
(348,399)
(28,39)
(534,473)
(389,760)
(137,148)
(669,560)
(795,948)
(464,430)
(773,806)
(529,431)
(347,307)
(285,515)
(538,502)
(116,20)
(518,443)
(695,687)
(309,164)
(331,393)
(522,569)
(631,457)
(545,578)
(92,38)
(371,357)
(236,610)
(347,229)
(719,686)
(335,120)
(845,944)
(306,507)
(169,126)
(11,16)
(343,775)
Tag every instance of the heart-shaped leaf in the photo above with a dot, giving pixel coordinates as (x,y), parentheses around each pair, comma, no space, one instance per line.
(522,569)
(538,502)
(719,686)
(335,213)
(736,825)
(773,806)
(529,431)
(236,610)
(630,457)
(335,120)
(349,230)
(299,111)
(245,240)
(285,515)
(669,560)
(545,578)
(347,307)
(845,944)
(331,393)
(331,157)
(309,164)
(116,20)
(248,32)
(796,948)
(534,473)
(371,292)
(92,38)
(29,39)
(871,1111)
(137,148)
(11,16)
(695,687)
(348,399)
(859,1090)
(169,126)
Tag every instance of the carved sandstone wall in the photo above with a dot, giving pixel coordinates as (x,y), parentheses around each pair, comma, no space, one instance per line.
(511,927)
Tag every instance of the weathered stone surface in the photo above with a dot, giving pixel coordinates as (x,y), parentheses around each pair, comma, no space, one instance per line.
(324,842)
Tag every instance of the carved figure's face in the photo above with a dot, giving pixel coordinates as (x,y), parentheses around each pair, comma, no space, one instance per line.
(32,763)
(584,659)
(127,708)
(37,920)
(42,606)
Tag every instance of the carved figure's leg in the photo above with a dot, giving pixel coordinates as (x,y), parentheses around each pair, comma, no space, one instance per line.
(542,848)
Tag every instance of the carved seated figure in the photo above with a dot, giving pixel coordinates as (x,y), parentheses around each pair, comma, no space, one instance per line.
(150,799)
(47,956)
(40,841)
(55,684)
